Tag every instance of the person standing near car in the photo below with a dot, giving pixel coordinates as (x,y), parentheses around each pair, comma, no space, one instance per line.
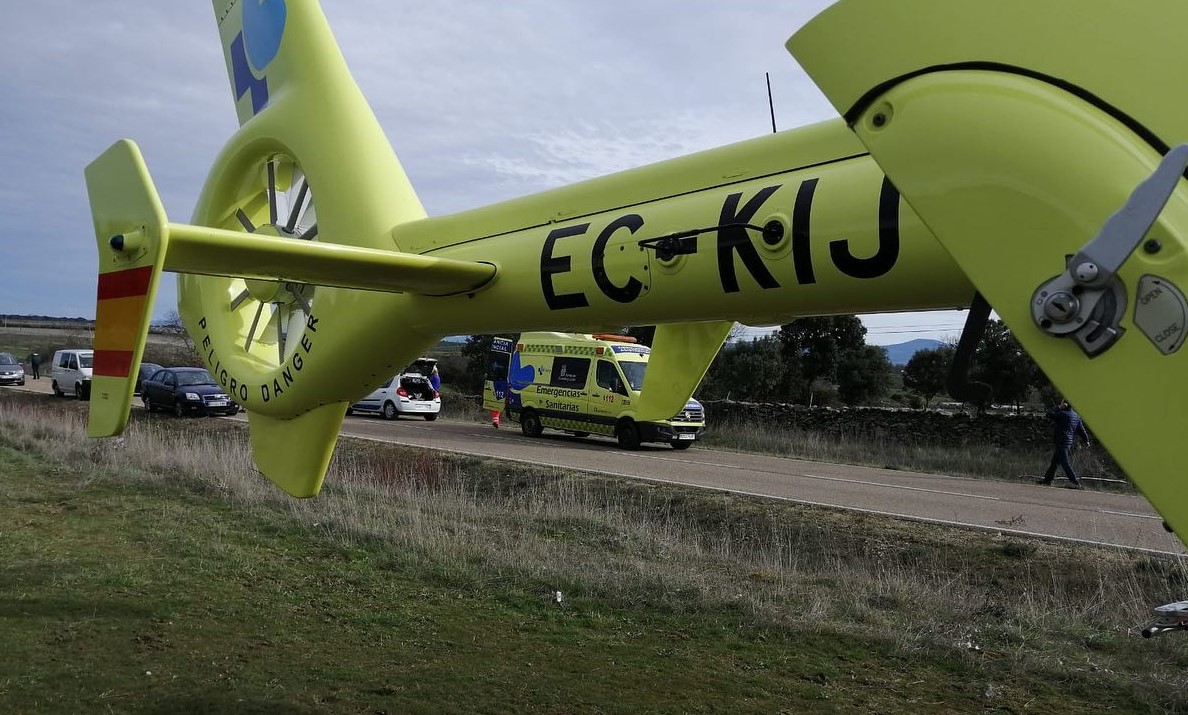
(35,365)
(1066,428)
(435,379)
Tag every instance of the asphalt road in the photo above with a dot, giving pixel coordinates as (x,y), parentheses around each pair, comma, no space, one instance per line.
(1010,507)
(1022,508)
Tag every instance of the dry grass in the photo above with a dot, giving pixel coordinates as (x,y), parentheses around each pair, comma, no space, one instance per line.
(551,525)
(1028,605)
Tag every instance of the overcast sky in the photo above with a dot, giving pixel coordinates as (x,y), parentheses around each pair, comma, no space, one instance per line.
(482,101)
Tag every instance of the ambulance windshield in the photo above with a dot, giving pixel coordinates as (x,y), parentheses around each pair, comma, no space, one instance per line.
(634,372)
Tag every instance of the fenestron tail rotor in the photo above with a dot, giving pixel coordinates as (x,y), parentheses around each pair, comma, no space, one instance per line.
(278,203)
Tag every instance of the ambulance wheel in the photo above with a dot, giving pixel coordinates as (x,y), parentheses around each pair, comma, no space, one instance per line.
(682,445)
(628,434)
(530,424)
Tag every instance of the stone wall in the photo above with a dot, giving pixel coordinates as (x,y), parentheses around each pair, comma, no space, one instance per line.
(905,425)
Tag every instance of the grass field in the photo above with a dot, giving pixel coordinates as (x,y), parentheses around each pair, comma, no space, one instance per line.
(160,574)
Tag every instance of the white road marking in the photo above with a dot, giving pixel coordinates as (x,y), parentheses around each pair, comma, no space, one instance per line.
(1129,513)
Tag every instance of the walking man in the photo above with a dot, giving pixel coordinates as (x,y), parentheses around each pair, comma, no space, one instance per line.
(1066,428)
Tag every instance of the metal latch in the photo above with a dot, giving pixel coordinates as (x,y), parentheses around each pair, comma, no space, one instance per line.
(1086,302)
(682,243)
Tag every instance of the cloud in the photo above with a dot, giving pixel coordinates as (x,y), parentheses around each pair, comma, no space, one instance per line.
(590,149)
(483,102)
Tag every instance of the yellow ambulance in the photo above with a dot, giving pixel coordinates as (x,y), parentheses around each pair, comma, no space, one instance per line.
(581,384)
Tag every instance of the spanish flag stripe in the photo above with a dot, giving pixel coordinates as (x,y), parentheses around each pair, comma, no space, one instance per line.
(118,322)
(121,284)
(112,363)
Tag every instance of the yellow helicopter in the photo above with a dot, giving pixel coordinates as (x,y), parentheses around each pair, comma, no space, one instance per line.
(1007,154)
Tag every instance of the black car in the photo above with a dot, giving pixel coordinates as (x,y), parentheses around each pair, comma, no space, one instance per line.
(147,370)
(185,390)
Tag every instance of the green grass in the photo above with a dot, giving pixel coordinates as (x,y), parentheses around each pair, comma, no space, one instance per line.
(160,574)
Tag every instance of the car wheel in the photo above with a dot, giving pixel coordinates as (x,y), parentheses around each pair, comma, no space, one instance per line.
(349,412)
(148,405)
(22,382)
(530,424)
(57,390)
(79,392)
(389,411)
(628,434)
(431,417)
(178,410)
(682,445)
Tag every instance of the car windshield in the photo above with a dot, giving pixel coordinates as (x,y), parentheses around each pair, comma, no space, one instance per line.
(6,359)
(195,377)
(84,359)
(634,372)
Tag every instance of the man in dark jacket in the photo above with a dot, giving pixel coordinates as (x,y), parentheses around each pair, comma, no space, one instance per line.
(1066,428)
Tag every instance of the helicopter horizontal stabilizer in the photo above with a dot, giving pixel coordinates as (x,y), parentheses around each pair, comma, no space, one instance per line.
(217,252)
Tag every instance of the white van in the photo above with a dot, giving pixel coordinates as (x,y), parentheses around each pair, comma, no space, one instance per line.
(71,373)
(408,393)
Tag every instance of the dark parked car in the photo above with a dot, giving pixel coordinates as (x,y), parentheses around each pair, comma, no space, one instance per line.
(11,370)
(185,390)
(147,370)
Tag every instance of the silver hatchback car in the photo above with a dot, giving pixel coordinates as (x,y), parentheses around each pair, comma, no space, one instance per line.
(11,370)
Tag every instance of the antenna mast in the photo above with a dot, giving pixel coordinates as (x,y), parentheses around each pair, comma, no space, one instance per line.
(770,106)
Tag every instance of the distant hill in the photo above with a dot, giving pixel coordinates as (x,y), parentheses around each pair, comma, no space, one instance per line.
(900,353)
